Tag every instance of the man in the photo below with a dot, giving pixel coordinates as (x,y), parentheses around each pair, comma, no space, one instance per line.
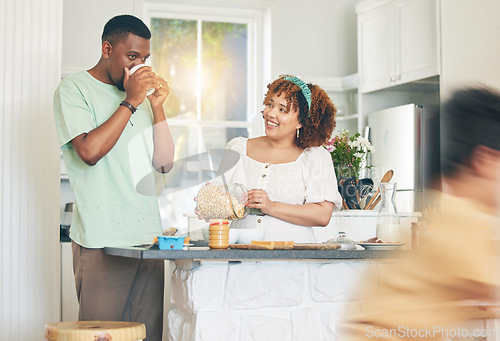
(423,297)
(98,113)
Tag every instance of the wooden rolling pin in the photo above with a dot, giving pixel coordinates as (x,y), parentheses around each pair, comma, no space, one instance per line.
(386,178)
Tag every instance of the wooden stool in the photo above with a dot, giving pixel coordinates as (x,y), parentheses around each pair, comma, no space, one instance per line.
(490,324)
(474,312)
(95,331)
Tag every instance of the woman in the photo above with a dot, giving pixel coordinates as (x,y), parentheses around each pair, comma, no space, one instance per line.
(289,174)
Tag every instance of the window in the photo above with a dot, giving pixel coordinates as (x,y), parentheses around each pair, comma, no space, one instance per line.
(213,61)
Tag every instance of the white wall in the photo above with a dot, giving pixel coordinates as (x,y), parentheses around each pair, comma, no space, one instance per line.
(313,39)
(82,29)
(30,59)
(470,44)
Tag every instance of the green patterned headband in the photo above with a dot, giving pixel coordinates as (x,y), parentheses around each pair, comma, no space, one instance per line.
(305,90)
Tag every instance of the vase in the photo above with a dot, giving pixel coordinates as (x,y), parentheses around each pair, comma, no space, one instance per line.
(344,171)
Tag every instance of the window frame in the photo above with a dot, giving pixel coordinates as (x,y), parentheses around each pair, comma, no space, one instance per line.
(257,19)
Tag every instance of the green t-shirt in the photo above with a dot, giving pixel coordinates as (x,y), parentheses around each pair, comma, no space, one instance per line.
(109,209)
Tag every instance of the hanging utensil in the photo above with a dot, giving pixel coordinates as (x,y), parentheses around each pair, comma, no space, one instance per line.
(365,186)
(386,178)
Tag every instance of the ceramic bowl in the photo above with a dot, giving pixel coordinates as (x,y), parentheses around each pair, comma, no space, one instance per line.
(245,236)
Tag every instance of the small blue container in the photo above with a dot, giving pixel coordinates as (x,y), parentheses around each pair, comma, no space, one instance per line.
(171,243)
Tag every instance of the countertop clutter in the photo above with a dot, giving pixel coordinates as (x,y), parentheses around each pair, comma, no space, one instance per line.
(203,253)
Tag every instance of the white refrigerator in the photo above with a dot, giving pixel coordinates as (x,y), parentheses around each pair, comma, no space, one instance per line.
(406,140)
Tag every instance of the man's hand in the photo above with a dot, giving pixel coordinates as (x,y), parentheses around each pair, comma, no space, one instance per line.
(137,84)
(158,97)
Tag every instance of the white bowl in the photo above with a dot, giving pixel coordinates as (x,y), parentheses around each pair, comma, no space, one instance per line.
(233,235)
(245,236)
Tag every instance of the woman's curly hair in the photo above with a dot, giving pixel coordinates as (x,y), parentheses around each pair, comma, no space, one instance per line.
(317,123)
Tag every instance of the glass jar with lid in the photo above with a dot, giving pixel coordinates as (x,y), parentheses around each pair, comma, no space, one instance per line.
(222,202)
(345,243)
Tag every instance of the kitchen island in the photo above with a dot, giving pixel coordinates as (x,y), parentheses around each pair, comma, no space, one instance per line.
(204,253)
(261,294)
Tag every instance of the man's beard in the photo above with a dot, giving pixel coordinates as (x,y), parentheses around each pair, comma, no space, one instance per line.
(119,85)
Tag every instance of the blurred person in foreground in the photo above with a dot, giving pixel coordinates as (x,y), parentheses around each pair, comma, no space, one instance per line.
(419,298)
(99,114)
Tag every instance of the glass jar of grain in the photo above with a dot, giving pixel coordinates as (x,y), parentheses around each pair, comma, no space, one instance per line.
(222,202)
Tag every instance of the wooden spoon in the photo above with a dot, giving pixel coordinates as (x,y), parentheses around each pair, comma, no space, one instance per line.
(386,178)
(375,203)
(344,205)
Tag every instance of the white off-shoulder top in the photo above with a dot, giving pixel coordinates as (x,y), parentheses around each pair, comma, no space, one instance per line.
(309,179)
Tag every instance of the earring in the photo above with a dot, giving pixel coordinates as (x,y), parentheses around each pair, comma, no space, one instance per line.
(298,133)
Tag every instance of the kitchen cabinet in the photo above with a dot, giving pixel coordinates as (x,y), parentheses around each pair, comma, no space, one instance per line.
(398,42)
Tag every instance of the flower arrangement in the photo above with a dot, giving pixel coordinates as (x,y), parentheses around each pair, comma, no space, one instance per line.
(349,153)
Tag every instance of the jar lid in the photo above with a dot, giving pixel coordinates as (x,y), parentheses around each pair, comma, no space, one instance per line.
(342,239)
(218,222)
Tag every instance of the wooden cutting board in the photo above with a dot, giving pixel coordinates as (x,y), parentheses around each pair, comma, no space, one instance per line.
(296,246)
(315,246)
(261,247)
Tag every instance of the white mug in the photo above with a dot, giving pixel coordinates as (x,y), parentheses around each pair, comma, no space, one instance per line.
(134,69)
